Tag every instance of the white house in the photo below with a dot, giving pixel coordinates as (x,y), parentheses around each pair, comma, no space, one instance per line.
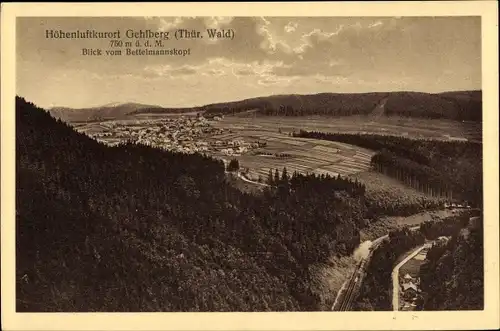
(407,278)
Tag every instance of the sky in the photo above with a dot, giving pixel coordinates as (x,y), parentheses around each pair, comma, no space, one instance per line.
(268,55)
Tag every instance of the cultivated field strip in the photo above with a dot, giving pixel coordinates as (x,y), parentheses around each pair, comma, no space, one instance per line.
(342,170)
(305,156)
(412,127)
(355,164)
(326,149)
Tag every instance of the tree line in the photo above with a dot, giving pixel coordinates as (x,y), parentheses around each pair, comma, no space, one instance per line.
(322,182)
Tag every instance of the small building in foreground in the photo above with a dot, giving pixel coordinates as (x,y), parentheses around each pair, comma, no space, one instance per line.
(410,290)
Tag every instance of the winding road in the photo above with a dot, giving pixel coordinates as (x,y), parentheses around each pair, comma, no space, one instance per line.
(395,277)
(250,181)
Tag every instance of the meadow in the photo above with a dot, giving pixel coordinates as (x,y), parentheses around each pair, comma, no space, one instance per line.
(390,125)
(326,157)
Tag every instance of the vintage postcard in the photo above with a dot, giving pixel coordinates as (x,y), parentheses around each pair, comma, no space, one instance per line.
(281,166)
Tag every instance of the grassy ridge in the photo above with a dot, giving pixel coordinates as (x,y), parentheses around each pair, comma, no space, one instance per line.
(460,106)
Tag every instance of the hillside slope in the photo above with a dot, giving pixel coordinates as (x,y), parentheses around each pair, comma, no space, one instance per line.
(461,106)
(133,228)
(452,105)
(452,277)
(113,111)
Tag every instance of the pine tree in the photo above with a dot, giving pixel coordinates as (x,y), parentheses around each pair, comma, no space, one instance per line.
(233,165)
(276,177)
(284,175)
(270,180)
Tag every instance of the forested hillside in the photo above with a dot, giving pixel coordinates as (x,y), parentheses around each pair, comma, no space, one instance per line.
(466,105)
(338,104)
(133,228)
(453,276)
(439,278)
(438,168)
(459,106)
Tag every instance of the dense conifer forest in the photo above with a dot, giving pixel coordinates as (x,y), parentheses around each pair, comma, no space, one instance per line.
(457,106)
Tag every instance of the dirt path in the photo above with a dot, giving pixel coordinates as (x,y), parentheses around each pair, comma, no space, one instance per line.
(250,181)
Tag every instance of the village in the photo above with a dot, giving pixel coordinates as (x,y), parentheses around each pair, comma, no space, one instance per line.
(185,134)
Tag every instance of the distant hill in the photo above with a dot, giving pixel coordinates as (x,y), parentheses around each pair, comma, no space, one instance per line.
(450,105)
(465,105)
(462,106)
(110,111)
(296,104)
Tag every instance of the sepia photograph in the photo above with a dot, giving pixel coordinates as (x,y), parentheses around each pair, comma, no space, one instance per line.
(249,163)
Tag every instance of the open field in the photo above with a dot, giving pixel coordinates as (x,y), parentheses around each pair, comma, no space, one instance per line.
(319,156)
(401,126)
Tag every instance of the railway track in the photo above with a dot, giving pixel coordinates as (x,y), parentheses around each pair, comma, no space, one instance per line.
(350,292)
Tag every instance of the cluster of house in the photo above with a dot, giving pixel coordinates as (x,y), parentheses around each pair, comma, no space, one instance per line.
(237,147)
(410,291)
(183,134)
(457,205)
(442,240)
